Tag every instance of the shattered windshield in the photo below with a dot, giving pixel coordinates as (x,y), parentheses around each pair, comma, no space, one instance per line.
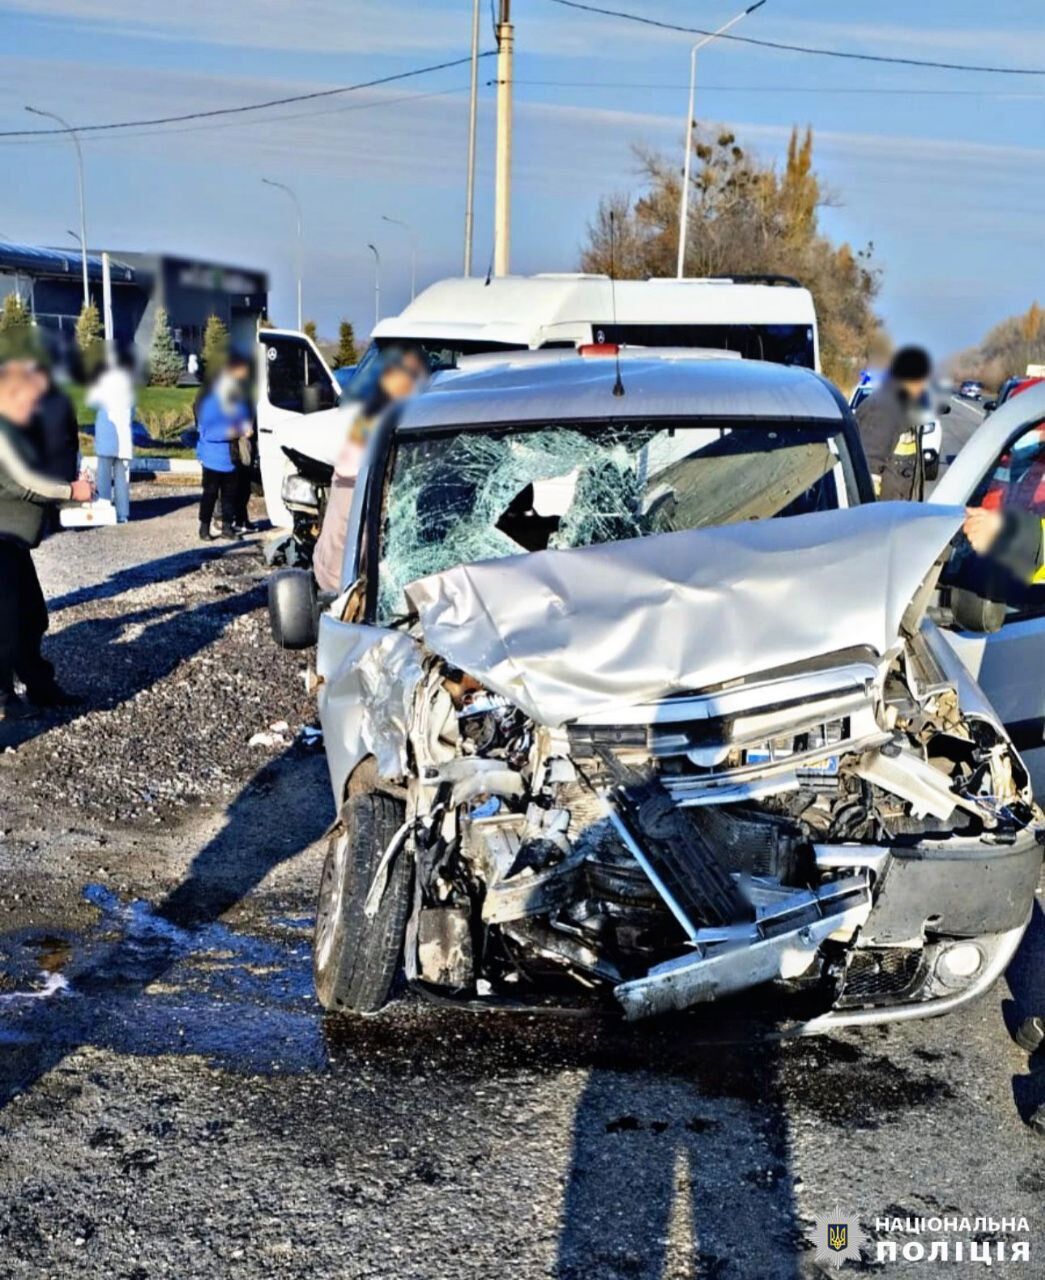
(483,493)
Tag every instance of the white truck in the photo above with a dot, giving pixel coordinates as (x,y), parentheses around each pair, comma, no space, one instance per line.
(760,318)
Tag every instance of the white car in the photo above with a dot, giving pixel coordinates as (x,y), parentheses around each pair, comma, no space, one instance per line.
(630,696)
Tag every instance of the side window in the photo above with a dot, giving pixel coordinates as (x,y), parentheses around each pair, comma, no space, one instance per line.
(1017,482)
(297,381)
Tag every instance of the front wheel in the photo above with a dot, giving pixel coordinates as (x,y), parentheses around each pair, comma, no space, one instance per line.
(355,957)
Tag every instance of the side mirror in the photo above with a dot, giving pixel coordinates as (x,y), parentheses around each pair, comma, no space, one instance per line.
(294,609)
(989,406)
(972,612)
(942,410)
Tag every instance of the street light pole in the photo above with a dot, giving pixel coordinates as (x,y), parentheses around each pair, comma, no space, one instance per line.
(686,168)
(50,115)
(282,186)
(398,222)
(377,284)
(502,202)
(473,116)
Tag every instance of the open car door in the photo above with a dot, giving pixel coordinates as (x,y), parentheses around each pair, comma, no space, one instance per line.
(1003,467)
(297,406)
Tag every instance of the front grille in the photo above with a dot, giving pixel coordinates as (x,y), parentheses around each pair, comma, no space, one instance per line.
(885,975)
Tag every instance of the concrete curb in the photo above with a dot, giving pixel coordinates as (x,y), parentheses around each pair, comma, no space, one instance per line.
(184,470)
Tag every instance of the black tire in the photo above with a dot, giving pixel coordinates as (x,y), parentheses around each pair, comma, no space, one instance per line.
(354,959)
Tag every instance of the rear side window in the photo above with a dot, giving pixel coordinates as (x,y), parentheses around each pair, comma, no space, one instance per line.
(790,344)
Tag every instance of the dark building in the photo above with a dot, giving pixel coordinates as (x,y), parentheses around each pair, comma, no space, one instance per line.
(50,282)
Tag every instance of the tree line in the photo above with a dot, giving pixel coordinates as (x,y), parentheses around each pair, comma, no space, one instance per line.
(20,339)
(747,217)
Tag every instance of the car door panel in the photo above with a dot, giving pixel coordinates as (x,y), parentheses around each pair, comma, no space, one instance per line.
(297,399)
(1003,467)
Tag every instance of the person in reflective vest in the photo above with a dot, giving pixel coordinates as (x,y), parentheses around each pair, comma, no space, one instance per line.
(889,421)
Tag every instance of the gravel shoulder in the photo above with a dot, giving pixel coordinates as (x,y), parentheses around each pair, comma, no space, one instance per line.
(172,1103)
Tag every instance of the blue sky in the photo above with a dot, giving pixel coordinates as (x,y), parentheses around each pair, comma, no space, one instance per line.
(944,172)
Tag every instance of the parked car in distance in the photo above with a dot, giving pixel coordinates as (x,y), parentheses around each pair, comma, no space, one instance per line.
(971,389)
(630,697)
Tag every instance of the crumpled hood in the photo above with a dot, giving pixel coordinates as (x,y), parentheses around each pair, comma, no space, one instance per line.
(567,634)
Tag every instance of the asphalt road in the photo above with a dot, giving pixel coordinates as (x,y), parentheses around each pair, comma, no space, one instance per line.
(958,426)
(172,1103)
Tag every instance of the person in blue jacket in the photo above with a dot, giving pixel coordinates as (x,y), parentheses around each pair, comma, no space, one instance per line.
(224,416)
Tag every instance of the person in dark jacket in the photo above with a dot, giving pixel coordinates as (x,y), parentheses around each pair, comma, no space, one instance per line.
(224,418)
(26,493)
(56,432)
(888,421)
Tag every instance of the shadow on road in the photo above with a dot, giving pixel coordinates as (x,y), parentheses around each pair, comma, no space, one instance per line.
(117,657)
(1026,981)
(690,1167)
(135,944)
(148,573)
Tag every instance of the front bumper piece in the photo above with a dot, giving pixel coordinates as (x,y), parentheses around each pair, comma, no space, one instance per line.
(782,943)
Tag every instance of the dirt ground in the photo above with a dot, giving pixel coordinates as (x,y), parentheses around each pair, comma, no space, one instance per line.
(173,1104)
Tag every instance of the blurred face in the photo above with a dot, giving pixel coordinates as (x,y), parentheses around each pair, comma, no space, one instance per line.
(20,389)
(916,388)
(400,379)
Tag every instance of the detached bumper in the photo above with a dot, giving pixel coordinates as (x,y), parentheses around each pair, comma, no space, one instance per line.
(930,904)
(954,890)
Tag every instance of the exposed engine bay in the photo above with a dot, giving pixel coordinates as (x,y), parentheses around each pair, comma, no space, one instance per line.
(707,843)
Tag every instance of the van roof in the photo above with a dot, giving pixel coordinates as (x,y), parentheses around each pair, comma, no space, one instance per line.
(519,310)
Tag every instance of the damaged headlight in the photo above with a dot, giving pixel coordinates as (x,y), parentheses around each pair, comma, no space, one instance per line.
(297,491)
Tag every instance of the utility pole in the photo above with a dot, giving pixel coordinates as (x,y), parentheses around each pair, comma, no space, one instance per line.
(50,115)
(110,342)
(473,116)
(377,283)
(687,164)
(282,186)
(502,230)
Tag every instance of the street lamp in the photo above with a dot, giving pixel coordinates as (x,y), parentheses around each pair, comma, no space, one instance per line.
(50,115)
(684,204)
(282,186)
(377,283)
(398,222)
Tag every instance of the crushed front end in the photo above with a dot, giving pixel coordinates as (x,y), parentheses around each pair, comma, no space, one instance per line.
(856,829)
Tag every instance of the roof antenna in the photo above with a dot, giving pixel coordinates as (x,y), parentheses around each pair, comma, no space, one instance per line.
(489,269)
(618,386)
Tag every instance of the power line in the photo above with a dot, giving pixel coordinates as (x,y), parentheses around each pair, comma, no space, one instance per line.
(134,132)
(798,48)
(253,106)
(783,88)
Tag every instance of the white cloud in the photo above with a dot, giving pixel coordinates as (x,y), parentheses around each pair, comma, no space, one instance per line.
(318,26)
